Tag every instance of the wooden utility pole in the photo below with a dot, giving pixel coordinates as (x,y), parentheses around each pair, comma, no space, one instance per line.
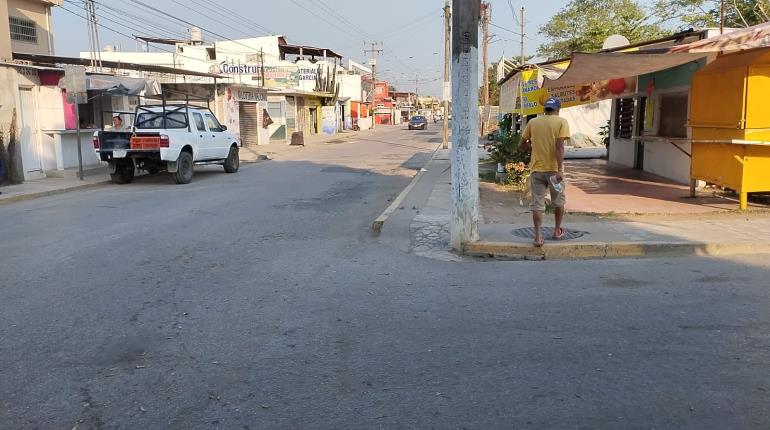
(521,36)
(722,17)
(374,51)
(486,15)
(464,219)
(447,88)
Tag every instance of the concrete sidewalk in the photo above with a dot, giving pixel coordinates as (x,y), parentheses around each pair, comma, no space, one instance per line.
(50,186)
(643,236)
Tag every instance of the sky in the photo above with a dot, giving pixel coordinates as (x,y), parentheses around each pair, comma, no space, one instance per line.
(411,32)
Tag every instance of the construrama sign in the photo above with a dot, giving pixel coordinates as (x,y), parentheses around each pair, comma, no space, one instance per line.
(275,76)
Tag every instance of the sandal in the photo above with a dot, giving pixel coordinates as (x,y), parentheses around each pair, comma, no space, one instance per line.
(538,243)
(559,235)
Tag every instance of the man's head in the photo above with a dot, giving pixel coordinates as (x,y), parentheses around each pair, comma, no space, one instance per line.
(552,106)
(117,121)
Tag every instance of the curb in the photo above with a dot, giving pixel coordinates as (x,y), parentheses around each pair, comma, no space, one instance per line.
(32,196)
(611,250)
(380,220)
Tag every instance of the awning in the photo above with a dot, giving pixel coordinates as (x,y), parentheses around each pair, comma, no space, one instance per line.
(757,36)
(586,68)
(120,85)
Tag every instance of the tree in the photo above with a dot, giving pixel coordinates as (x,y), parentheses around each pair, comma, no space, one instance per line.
(706,13)
(583,25)
(494,89)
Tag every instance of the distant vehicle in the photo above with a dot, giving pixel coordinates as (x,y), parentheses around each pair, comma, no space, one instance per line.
(418,122)
(171,137)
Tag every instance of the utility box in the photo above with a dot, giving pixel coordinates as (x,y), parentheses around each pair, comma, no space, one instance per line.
(730,123)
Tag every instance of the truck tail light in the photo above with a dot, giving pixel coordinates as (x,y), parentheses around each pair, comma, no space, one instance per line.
(164,141)
(96,142)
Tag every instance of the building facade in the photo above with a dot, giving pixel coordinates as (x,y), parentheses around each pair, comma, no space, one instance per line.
(301,82)
(25,26)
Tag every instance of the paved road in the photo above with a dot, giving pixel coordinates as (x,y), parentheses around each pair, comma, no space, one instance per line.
(259,300)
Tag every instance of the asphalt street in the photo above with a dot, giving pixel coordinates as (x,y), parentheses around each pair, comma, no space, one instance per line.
(260,300)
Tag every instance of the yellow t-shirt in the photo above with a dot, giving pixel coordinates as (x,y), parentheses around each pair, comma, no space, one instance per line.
(543,132)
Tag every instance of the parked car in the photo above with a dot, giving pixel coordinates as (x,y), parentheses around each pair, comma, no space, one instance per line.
(171,138)
(418,122)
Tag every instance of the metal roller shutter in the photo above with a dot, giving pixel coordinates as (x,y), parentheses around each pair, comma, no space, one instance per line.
(249,123)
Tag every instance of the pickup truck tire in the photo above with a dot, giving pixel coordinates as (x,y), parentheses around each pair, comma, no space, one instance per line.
(184,170)
(232,162)
(124,172)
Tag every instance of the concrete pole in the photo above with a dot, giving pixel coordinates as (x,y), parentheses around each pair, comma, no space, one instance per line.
(446,94)
(485,17)
(464,220)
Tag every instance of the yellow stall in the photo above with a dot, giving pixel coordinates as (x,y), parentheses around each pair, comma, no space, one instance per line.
(730,122)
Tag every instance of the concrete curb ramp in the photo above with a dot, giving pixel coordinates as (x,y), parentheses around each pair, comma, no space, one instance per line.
(597,250)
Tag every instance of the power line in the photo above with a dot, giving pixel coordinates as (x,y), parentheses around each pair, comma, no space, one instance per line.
(236,15)
(202,13)
(534,39)
(126,35)
(166,14)
(147,25)
(296,3)
(325,7)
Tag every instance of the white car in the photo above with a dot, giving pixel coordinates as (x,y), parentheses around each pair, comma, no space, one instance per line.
(170,137)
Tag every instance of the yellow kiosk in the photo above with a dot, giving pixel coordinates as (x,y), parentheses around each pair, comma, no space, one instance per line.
(730,121)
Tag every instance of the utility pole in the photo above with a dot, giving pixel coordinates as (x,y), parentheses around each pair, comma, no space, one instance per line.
(374,51)
(486,15)
(464,219)
(722,17)
(417,87)
(262,66)
(447,88)
(521,36)
(94,29)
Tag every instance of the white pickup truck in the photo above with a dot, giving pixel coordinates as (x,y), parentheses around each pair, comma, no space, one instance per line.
(170,137)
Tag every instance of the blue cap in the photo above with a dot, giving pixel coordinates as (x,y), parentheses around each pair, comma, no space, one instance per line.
(552,104)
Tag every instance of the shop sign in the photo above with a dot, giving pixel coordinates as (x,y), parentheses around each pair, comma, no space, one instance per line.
(275,76)
(533,96)
(249,94)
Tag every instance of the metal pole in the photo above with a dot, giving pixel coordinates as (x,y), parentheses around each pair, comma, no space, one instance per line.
(80,150)
(447,90)
(464,220)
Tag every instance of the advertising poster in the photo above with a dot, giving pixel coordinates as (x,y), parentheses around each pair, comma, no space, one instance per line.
(328,119)
(534,97)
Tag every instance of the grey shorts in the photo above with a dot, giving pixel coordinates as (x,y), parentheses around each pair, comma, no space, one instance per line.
(539,183)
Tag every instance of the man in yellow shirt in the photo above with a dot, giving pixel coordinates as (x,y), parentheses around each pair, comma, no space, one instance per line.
(544,137)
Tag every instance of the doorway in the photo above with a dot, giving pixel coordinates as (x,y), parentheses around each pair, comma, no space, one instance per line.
(638,132)
(313,121)
(29,136)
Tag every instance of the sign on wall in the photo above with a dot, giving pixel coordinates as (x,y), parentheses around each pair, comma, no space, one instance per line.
(283,76)
(329,119)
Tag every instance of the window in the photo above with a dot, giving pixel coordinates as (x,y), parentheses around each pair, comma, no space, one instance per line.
(199,122)
(624,118)
(274,109)
(212,122)
(673,115)
(23,30)
(154,120)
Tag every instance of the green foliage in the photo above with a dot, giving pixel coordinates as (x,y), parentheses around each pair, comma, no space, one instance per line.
(706,13)
(494,89)
(604,132)
(506,152)
(583,25)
